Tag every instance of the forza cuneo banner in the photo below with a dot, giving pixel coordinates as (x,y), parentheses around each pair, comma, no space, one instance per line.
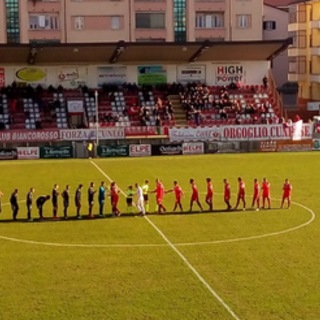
(297,131)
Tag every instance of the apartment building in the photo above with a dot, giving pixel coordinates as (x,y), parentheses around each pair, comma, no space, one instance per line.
(74,21)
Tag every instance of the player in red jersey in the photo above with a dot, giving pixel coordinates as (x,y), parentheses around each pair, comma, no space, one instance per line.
(287,188)
(159,191)
(209,196)
(194,196)
(241,194)
(227,193)
(266,193)
(256,194)
(178,194)
(114,193)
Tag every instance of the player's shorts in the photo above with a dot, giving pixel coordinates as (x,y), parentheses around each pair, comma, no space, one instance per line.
(146,197)
(129,201)
(226,198)
(194,197)
(78,204)
(178,200)
(159,200)
(209,196)
(286,195)
(256,196)
(65,204)
(241,196)
(266,196)
(55,203)
(90,203)
(115,200)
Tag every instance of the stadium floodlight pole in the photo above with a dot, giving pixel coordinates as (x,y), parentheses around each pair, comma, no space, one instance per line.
(97,117)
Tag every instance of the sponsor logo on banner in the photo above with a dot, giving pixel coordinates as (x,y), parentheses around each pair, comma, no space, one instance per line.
(113,151)
(193,148)
(226,74)
(194,134)
(2,77)
(140,150)
(268,146)
(222,147)
(72,77)
(91,134)
(288,146)
(316,144)
(31,75)
(152,75)
(28,153)
(29,135)
(75,106)
(8,154)
(166,150)
(112,75)
(191,73)
(56,152)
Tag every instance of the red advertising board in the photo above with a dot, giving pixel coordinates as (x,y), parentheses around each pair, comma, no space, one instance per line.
(29,135)
(2,78)
(193,148)
(140,150)
(28,153)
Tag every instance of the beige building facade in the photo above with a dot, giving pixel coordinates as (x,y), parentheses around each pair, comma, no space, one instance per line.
(89,21)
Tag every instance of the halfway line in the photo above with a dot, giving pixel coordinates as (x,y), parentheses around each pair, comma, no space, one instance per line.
(185,260)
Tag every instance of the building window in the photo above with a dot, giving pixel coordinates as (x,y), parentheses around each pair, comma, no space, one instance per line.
(302,39)
(150,20)
(269,25)
(180,30)
(292,65)
(115,22)
(302,65)
(244,21)
(78,23)
(293,35)
(302,13)
(292,14)
(43,22)
(209,20)
(12,17)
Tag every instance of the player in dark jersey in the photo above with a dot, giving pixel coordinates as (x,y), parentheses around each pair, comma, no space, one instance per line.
(66,200)
(40,202)
(14,204)
(77,200)
(29,201)
(91,193)
(55,194)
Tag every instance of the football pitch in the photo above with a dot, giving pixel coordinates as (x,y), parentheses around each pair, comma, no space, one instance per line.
(220,265)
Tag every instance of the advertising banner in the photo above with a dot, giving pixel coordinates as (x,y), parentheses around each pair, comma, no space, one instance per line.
(112,75)
(29,135)
(191,73)
(28,153)
(72,77)
(56,152)
(228,73)
(193,148)
(113,151)
(222,147)
(151,75)
(8,154)
(288,146)
(268,146)
(31,75)
(140,150)
(2,77)
(75,106)
(194,134)
(316,144)
(166,150)
(90,134)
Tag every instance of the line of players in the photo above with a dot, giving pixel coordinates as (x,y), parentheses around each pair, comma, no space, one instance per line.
(142,197)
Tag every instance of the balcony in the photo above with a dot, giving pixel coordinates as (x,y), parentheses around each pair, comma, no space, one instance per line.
(214,33)
(296,77)
(315,78)
(315,51)
(315,24)
(150,34)
(44,35)
(43,6)
(211,6)
(147,6)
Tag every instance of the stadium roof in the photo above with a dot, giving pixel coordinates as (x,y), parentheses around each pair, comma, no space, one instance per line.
(135,52)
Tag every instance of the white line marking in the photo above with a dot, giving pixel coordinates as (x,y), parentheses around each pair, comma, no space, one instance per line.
(223,303)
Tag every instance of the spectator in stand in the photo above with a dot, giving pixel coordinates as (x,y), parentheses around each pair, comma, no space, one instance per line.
(239,85)
(297,118)
(223,114)
(38,124)
(265,82)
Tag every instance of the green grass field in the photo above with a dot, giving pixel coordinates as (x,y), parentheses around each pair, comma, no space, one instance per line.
(262,265)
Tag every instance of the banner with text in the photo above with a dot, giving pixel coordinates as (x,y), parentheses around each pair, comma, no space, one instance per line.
(31,75)
(193,148)
(316,144)
(166,150)
(140,150)
(91,134)
(242,133)
(222,147)
(152,75)
(72,77)
(228,73)
(116,75)
(113,151)
(291,146)
(56,152)
(29,135)
(191,73)
(8,154)
(28,153)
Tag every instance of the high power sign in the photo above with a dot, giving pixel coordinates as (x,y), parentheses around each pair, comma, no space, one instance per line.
(226,74)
